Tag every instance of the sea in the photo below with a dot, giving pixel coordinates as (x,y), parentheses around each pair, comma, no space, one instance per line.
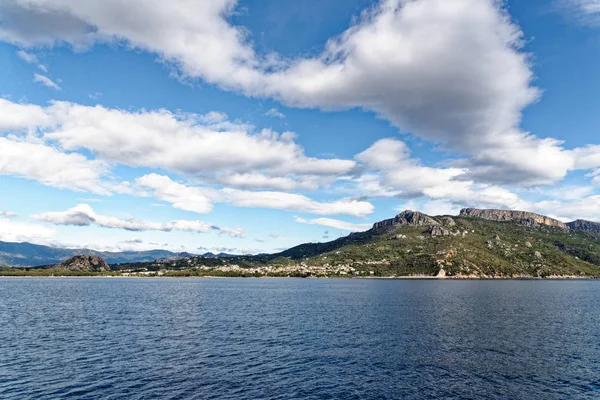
(161,338)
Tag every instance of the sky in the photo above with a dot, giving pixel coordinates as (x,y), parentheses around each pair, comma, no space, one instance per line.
(246,126)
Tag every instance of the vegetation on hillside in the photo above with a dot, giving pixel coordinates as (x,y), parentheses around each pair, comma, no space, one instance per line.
(463,247)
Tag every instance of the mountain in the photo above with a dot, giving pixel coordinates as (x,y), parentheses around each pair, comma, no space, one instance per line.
(28,254)
(84,263)
(522,217)
(478,243)
(583,225)
(219,255)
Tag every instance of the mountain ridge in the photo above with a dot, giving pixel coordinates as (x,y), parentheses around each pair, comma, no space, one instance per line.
(25,254)
(475,244)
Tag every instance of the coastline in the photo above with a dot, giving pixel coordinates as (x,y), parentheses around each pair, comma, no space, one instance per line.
(425,278)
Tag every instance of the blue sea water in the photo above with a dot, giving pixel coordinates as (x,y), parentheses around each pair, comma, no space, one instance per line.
(102,338)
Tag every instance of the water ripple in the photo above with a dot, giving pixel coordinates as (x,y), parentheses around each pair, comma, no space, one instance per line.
(298,339)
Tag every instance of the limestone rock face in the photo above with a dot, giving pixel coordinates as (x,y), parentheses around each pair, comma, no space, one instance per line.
(583,225)
(86,263)
(522,217)
(406,218)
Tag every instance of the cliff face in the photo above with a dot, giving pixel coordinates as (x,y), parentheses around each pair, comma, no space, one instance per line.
(406,218)
(522,217)
(583,225)
(86,262)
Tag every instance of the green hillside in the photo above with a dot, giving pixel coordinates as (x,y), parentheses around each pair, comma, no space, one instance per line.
(475,247)
(477,243)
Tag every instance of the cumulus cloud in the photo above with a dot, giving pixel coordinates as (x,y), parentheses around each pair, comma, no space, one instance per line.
(84,215)
(431,207)
(450,72)
(201,146)
(17,231)
(7,214)
(391,160)
(49,166)
(44,80)
(584,208)
(256,180)
(199,199)
(335,223)
(296,202)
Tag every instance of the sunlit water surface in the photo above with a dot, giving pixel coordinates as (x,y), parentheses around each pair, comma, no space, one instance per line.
(298,339)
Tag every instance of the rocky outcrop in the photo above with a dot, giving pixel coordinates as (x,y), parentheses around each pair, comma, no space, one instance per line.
(406,218)
(583,225)
(522,217)
(438,230)
(84,263)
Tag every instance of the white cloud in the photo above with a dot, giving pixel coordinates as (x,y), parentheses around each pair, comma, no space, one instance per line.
(44,80)
(391,159)
(296,202)
(335,223)
(7,214)
(22,117)
(275,113)
(29,58)
(584,208)
(450,72)
(262,181)
(49,166)
(585,11)
(586,157)
(189,198)
(84,215)
(431,207)
(17,231)
(568,192)
(595,175)
(199,199)
(196,145)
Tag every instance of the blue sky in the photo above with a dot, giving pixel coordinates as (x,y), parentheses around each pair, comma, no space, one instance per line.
(253,126)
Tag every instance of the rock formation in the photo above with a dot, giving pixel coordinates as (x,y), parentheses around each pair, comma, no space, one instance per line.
(522,217)
(86,263)
(438,230)
(406,218)
(583,225)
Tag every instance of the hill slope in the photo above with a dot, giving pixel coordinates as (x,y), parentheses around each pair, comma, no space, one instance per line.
(487,244)
(28,254)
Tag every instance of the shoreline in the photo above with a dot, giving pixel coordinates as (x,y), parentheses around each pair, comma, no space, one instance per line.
(399,278)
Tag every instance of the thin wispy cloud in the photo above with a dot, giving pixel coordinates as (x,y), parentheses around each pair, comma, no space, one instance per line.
(44,80)
(275,113)
(84,215)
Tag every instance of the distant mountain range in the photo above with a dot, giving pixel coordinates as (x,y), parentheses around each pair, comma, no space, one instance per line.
(28,254)
(476,243)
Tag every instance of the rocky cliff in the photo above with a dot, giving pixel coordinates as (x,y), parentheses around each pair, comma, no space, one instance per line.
(407,217)
(583,225)
(84,263)
(521,217)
